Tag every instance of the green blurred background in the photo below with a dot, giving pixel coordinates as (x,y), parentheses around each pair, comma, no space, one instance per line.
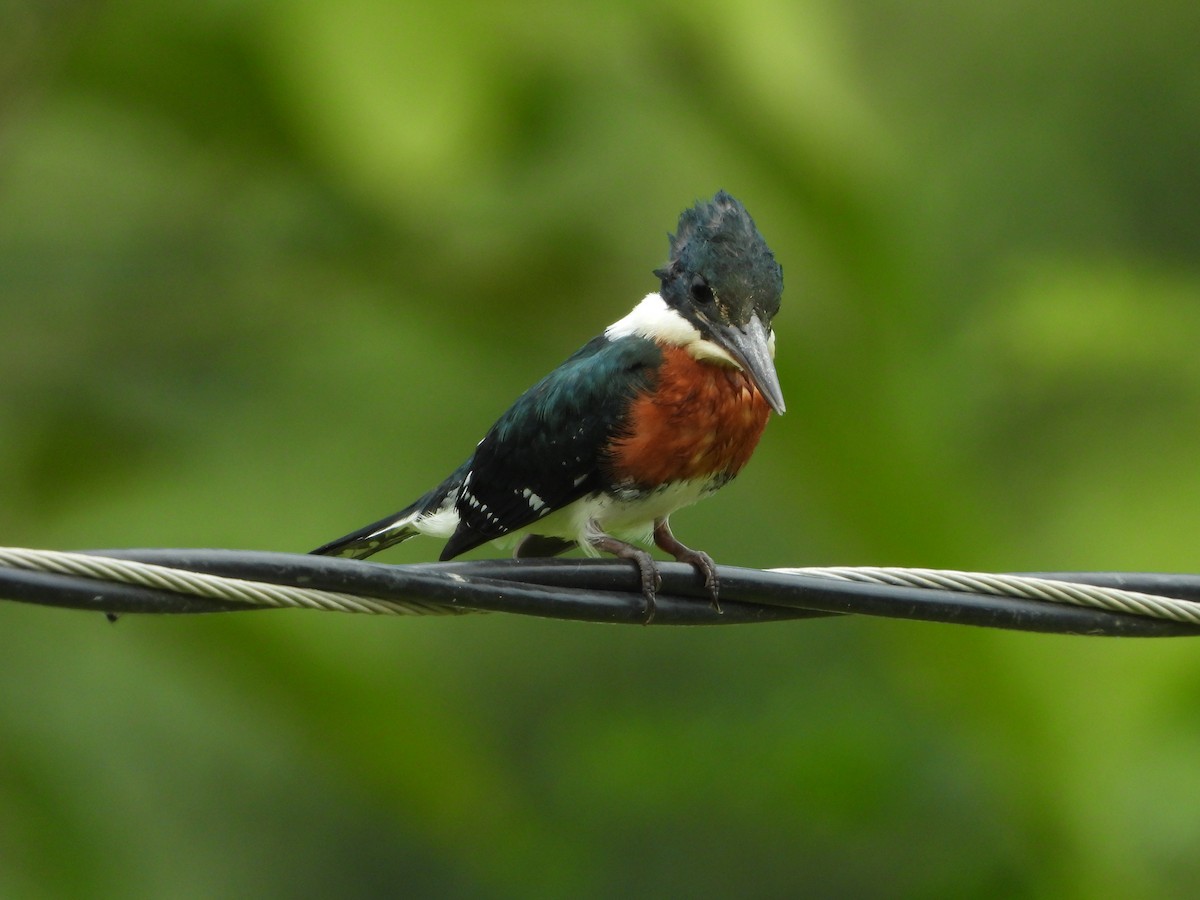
(268,269)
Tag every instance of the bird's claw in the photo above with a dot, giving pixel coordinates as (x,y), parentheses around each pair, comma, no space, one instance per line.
(650,577)
(651,583)
(648,572)
(697,559)
(703,563)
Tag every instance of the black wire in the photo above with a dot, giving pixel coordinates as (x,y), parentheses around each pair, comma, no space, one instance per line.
(604,591)
(52,589)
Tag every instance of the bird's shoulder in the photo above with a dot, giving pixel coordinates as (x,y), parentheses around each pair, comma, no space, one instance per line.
(599,378)
(547,449)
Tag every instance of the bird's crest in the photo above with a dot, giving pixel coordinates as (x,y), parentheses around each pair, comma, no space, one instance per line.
(718,241)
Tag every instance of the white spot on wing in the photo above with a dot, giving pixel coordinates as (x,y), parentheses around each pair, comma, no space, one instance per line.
(536,503)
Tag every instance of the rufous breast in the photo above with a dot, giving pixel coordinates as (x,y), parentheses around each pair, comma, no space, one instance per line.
(700,419)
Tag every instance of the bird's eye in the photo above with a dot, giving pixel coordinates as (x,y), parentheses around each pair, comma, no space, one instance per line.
(701,292)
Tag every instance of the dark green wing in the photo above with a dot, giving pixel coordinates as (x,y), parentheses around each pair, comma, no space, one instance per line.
(549,449)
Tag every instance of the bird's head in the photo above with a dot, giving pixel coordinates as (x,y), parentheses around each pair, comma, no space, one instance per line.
(723,279)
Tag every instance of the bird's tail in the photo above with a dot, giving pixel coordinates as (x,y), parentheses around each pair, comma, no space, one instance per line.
(399,527)
(376,536)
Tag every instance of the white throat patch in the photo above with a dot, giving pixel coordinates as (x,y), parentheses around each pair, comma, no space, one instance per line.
(654,320)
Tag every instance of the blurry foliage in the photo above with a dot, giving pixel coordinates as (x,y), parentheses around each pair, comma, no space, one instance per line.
(268,269)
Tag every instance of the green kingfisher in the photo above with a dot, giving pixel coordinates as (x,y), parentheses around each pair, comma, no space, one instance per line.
(661,410)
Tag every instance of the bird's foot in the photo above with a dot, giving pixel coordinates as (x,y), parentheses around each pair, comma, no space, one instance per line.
(697,559)
(651,580)
(703,564)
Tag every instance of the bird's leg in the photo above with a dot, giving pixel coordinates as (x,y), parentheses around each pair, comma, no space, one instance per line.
(645,563)
(697,559)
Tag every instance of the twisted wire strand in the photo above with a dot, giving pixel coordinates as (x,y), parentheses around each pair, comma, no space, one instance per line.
(1111,599)
(251,593)
(182,581)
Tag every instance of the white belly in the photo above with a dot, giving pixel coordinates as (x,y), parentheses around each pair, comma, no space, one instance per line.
(628,519)
(632,519)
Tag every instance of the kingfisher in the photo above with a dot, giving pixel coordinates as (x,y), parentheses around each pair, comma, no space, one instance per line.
(659,411)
